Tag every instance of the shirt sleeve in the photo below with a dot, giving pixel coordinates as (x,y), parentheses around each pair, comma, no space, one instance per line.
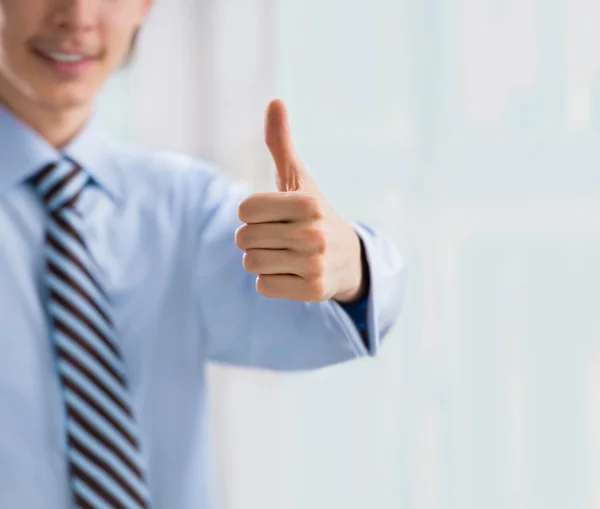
(242,327)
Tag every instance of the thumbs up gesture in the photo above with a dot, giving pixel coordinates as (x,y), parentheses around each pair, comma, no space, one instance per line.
(293,240)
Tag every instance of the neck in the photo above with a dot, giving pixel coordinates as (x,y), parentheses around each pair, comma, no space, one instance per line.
(57,125)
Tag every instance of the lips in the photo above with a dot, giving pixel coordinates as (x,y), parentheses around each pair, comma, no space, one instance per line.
(65,64)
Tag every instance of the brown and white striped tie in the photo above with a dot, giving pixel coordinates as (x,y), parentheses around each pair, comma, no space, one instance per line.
(103,439)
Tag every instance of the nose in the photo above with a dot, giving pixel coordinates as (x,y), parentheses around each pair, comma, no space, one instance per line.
(76,15)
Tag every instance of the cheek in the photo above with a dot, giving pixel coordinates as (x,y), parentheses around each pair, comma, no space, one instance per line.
(117,39)
(19,25)
(14,52)
(19,18)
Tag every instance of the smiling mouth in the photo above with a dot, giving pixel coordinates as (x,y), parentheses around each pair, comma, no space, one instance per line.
(67,64)
(63,57)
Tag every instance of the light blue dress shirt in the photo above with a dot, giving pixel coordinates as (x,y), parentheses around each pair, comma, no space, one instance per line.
(161,227)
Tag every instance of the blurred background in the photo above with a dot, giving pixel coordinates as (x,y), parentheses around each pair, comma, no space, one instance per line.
(467,131)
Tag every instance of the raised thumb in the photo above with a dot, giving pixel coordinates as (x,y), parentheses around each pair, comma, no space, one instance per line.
(290,172)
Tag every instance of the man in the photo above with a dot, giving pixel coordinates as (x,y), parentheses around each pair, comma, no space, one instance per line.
(121,277)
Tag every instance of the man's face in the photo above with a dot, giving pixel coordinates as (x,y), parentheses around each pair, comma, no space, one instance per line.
(58,53)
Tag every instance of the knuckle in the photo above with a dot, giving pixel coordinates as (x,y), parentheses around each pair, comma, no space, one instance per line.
(241,237)
(310,206)
(263,287)
(245,208)
(250,262)
(318,240)
(316,266)
(316,289)
(313,236)
(242,210)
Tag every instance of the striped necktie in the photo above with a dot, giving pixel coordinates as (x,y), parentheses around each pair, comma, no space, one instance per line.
(103,440)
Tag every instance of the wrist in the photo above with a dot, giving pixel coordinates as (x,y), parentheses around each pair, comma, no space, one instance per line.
(359,287)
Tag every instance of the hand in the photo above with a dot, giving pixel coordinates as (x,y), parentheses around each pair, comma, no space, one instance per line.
(293,240)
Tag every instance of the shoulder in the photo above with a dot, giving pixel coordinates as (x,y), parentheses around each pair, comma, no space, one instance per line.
(162,168)
(172,178)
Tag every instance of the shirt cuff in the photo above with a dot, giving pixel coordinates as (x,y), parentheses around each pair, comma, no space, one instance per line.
(357,310)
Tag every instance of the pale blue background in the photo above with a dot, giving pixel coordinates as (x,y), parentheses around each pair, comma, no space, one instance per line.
(478,153)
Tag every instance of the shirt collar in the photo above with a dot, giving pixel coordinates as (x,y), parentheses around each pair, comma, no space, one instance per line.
(23,152)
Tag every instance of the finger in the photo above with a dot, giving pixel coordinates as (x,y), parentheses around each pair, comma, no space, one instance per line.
(289,287)
(304,237)
(263,236)
(280,261)
(278,207)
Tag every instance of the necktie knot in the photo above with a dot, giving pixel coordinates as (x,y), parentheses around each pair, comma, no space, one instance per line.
(59,184)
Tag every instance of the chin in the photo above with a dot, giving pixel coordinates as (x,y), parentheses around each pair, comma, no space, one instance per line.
(65,97)
(67,101)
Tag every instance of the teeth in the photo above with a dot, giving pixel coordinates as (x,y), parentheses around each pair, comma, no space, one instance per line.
(65,57)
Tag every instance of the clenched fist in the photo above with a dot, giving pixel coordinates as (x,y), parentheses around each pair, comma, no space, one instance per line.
(293,240)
